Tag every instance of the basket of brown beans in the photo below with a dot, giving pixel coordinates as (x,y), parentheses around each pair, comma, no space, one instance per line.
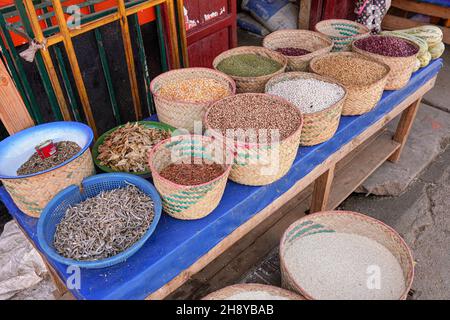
(363,78)
(399,54)
(264,131)
(298,46)
(190,173)
(181,96)
(251,67)
(320,99)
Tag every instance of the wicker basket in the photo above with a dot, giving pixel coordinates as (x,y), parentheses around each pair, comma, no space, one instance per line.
(252,84)
(342,32)
(346,222)
(254,162)
(227,292)
(182,114)
(189,202)
(401,67)
(361,98)
(318,126)
(314,42)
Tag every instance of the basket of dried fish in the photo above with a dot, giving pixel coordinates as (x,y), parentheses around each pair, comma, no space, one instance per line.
(125,148)
(100,224)
(38,162)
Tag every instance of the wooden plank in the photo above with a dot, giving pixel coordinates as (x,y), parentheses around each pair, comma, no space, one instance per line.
(249,225)
(304,14)
(348,178)
(322,188)
(13,112)
(428,9)
(404,127)
(391,22)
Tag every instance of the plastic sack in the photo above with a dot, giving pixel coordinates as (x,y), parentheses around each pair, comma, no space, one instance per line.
(247,23)
(273,14)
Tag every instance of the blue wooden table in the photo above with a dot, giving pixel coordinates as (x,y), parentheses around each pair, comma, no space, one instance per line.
(177,246)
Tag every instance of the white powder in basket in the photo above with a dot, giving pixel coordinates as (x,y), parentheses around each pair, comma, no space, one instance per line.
(309,95)
(255,295)
(344,266)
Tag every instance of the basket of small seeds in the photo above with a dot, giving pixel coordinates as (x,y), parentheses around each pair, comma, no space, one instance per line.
(364,78)
(399,54)
(298,46)
(252,291)
(342,255)
(342,32)
(40,161)
(264,132)
(250,67)
(181,96)
(320,99)
(125,148)
(101,223)
(190,173)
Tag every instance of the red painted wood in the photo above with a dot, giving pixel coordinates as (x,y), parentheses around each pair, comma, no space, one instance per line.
(331,9)
(203,52)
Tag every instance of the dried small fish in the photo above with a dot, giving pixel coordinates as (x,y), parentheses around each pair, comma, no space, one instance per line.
(126,148)
(105,225)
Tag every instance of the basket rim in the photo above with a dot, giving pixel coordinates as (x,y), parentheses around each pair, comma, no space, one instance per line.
(330,43)
(253,144)
(118,258)
(30,130)
(358,50)
(320,23)
(305,75)
(355,55)
(389,229)
(236,51)
(155,93)
(252,287)
(156,174)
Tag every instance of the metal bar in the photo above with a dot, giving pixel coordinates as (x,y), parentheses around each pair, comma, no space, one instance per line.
(129,58)
(182,33)
(10,51)
(74,64)
(173,34)
(44,61)
(106,72)
(143,62)
(161,39)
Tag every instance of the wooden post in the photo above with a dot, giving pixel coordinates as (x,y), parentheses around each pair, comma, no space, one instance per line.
(403,128)
(321,192)
(13,112)
(304,14)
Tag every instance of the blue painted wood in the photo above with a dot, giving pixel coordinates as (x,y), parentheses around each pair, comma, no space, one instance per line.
(176,244)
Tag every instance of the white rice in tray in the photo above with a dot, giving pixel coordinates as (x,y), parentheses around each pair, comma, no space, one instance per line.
(344,266)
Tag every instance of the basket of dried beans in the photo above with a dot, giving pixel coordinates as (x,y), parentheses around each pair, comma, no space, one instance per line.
(190,173)
(40,161)
(181,96)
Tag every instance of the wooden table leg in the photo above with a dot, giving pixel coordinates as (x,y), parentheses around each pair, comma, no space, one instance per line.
(404,127)
(322,187)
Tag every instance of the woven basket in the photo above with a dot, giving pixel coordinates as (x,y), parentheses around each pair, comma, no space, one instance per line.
(254,162)
(227,292)
(252,84)
(401,67)
(182,114)
(346,222)
(314,42)
(32,194)
(342,32)
(189,202)
(318,126)
(361,98)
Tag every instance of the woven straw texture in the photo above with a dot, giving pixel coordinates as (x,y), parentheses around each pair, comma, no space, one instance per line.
(32,194)
(189,202)
(318,126)
(361,98)
(182,114)
(342,32)
(252,84)
(401,67)
(259,164)
(346,222)
(227,292)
